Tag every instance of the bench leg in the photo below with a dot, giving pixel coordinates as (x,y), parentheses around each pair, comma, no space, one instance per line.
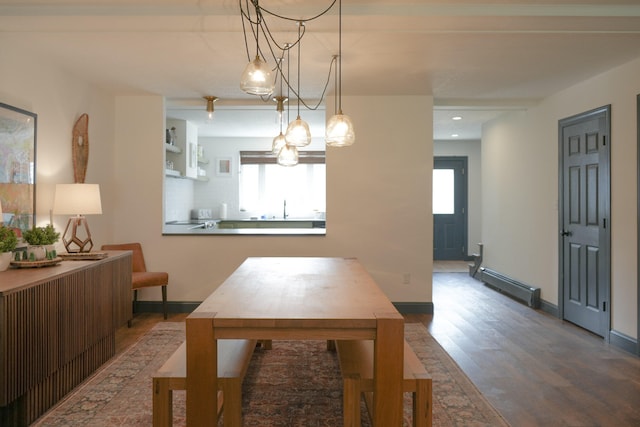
(422,408)
(232,395)
(162,403)
(351,401)
(266,344)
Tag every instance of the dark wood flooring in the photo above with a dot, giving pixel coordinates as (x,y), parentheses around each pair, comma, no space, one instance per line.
(534,369)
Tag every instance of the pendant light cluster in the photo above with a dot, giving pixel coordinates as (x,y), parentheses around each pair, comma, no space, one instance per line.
(258,80)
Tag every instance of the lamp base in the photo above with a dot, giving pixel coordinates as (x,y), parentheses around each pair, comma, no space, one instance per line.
(77,236)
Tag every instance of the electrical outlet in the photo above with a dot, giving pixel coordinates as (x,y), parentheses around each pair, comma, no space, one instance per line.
(406,279)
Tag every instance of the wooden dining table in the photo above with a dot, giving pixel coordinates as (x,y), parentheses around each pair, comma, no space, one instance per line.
(295,298)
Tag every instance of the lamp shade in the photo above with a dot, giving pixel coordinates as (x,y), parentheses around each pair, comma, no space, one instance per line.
(339,131)
(278,142)
(288,156)
(256,78)
(77,199)
(298,133)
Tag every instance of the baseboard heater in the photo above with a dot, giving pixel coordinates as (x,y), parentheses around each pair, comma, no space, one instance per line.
(511,287)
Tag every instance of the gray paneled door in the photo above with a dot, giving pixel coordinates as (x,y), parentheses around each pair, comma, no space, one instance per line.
(450,208)
(584,216)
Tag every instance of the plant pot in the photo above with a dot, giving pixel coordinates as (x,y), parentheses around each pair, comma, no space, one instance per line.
(5,260)
(51,251)
(39,253)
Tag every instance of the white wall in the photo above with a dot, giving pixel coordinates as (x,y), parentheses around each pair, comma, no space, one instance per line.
(59,98)
(378,202)
(473,151)
(520,189)
(379,190)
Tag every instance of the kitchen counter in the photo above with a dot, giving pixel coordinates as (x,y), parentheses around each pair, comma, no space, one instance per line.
(248,227)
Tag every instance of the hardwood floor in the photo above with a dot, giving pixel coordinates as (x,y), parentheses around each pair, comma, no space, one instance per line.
(533,368)
(451,266)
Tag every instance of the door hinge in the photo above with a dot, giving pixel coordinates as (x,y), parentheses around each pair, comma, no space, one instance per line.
(604,140)
(604,306)
(462,171)
(604,222)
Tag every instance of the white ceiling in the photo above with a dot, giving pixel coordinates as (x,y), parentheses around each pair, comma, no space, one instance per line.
(476,58)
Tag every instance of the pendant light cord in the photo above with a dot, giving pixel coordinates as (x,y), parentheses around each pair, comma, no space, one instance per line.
(335,100)
(340,55)
(282,112)
(288,85)
(300,24)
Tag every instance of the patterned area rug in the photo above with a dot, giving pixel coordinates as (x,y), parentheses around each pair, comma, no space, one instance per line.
(297,383)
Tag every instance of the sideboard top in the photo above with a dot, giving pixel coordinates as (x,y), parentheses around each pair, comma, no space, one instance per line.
(15,279)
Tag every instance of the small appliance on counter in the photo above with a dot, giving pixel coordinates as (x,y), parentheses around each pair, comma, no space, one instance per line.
(201,214)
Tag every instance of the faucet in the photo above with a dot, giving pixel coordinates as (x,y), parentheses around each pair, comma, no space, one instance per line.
(284,213)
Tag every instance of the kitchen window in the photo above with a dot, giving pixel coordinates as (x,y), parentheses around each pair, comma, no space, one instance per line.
(268,190)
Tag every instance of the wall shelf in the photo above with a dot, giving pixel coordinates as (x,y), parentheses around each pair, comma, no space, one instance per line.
(172,148)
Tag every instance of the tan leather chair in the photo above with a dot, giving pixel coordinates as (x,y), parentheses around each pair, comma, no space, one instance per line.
(141,277)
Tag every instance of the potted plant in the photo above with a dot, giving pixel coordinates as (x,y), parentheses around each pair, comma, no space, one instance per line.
(8,242)
(41,241)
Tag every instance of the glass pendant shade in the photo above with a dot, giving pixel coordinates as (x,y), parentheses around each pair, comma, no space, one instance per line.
(278,142)
(256,78)
(288,156)
(339,131)
(298,133)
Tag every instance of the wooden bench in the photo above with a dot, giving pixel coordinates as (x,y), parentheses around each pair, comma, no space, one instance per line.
(356,365)
(233,361)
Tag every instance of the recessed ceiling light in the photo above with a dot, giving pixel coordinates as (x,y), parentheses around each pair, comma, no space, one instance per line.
(454,135)
(456,118)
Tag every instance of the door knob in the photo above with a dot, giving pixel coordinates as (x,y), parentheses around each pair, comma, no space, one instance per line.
(566,233)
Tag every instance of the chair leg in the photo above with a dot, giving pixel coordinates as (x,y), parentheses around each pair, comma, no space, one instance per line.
(133,306)
(164,301)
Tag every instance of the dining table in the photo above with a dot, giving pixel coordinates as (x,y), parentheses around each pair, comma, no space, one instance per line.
(296,298)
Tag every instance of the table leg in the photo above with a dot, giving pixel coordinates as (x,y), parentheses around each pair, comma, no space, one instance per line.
(388,370)
(202,371)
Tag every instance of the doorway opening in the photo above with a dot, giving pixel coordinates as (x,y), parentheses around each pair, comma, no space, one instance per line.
(450,208)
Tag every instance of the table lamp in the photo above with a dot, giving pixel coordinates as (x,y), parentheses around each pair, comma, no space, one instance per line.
(77,200)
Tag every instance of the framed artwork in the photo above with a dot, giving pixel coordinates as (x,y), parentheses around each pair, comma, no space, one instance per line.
(223,166)
(17,166)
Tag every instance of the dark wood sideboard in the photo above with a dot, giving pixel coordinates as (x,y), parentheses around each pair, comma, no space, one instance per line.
(57,326)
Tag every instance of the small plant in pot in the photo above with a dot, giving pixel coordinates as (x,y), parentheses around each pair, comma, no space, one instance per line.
(41,242)
(8,242)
